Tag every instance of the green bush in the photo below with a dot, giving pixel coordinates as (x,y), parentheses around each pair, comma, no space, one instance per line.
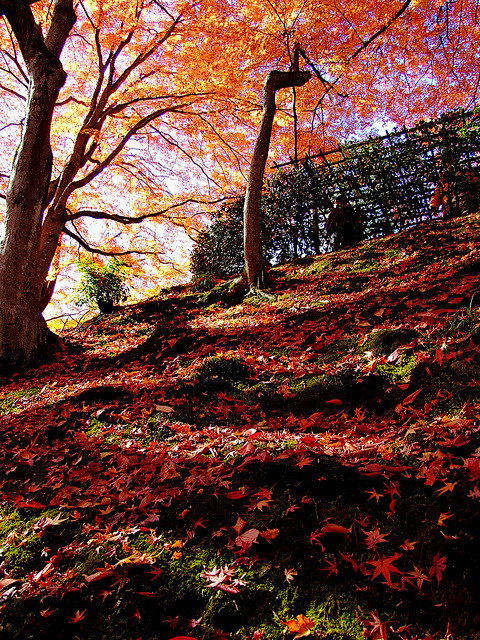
(105,286)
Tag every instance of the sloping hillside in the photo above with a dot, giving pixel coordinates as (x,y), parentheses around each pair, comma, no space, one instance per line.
(303,464)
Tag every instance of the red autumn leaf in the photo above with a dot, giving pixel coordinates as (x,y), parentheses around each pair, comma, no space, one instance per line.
(100,574)
(448,486)
(291,509)
(408,546)
(270,534)
(303,461)
(78,617)
(46,521)
(331,527)
(290,574)
(262,504)
(473,465)
(385,567)
(373,538)
(246,539)
(331,567)
(409,399)
(439,565)
(31,504)
(224,579)
(239,525)
(6,582)
(239,493)
(301,626)
(246,449)
(375,628)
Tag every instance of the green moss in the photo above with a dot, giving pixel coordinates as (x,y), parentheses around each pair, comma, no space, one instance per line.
(220,371)
(20,546)
(464,321)
(263,393)
(399,371)
(367,264)
(385,341)
(12,400)
(448,385)
(319,267)
(347,386)
(336,350)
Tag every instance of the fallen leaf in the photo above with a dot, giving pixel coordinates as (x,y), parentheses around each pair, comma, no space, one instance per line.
(301,626)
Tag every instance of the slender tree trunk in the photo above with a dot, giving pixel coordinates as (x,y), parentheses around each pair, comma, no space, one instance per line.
(255,272)
(24,336)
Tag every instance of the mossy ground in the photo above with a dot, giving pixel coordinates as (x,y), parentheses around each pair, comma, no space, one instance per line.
(297,442)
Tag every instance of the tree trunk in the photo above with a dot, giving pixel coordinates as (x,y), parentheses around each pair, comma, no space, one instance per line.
(255,272)
(24,335)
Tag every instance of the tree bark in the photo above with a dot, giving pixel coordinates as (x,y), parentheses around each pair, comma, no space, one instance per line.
(24,335)
(255,272)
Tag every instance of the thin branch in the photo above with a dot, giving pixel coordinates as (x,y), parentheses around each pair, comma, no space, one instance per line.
(13,93)
(141,59)
(61,103)
(83,243)
(378,33)
(172,142)
(118,107)
(120,146)
(115,217)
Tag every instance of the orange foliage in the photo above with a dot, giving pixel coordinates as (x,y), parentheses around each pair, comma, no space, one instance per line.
(161,105)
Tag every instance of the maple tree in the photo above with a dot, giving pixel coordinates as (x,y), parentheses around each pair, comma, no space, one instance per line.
(110,109)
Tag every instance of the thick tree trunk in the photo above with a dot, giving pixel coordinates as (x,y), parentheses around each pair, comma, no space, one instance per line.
(254,263)
(24,335)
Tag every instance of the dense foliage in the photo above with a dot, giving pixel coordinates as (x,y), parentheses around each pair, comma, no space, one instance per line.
(103,285)
(390,183)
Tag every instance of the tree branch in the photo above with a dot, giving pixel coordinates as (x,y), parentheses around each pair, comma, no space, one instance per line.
(63,19)
(365,43)
(115,217)
(6,5)
(83,243)
(114,153)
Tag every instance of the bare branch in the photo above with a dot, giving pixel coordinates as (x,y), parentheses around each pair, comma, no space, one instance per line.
(83,243)
(378,33)
(118,107)
(120,146)
(61,103)
(12,92)
(115,217)
(23,79)
(172,142)
(142,58)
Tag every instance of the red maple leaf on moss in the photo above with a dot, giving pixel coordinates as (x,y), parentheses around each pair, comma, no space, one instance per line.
(385,567)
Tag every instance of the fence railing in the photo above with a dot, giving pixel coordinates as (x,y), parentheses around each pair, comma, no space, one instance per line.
(392,182)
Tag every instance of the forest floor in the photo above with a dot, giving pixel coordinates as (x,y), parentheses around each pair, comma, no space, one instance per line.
(302,465)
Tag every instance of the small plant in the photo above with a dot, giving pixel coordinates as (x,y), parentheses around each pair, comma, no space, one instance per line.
(104,286)
(203,282)
(465,320)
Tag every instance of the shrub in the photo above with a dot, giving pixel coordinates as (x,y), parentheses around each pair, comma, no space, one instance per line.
(102,285)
